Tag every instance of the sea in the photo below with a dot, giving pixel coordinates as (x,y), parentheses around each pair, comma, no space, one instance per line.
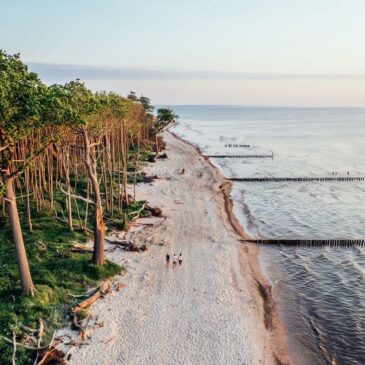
(319,291)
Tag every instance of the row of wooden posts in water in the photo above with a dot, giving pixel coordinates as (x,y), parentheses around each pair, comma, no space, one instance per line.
(242,156)
(236,145)
(295,242)
(297,179)
(310,243)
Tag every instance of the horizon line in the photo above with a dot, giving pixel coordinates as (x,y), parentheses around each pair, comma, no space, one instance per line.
(259,106)
(89,72)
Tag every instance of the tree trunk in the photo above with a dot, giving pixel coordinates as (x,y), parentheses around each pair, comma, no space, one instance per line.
(29,216)
(125,166)
(99,225)
(156,145)
(16,230)
(99,233)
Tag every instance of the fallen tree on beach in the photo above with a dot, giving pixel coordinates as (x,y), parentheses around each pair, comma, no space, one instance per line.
(101,291)
(128,246)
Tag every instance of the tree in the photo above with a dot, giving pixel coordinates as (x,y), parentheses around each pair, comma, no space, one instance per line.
(21,96)
(146,103)
(132,96)
(165,116)
(86,123)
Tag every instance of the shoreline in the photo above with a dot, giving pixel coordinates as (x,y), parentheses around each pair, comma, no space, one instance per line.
(270,315)
(226,189)
(220,313)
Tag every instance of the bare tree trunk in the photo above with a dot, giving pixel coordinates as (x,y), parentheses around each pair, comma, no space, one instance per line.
(99,234)
(125,167)
(156,145)
(29,217)
(99,225)
(66,164)
(136,166)
(16,230)
(87,204)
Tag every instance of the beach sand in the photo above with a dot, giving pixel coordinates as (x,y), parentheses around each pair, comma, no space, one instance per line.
(208,311)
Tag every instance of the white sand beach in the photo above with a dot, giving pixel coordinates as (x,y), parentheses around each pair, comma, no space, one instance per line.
(209,310)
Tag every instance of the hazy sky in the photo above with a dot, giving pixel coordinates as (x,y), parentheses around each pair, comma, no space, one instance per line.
(249,52)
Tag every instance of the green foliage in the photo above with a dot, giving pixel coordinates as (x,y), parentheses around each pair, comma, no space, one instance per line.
(21,95)
(146,103)
(56,272)
(132,96)
(82,103)
(165,116)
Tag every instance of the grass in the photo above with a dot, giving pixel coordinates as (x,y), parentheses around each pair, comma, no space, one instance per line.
(56,271)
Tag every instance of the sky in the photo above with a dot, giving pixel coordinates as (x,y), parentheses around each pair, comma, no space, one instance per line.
(239,52)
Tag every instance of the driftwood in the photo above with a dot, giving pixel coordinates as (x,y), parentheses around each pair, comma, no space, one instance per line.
(52,356)
(150,178)
(129,246)
(103,289)
(164,155)
(137,213)
(13,358)
(26,328)
(119,286)
(76,326)
(32,348)
(156,212)
(84,295)
(40,332)
(44,350)
(77,247)
(39,338)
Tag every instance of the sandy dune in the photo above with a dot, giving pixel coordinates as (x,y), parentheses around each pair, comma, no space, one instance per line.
(207,311)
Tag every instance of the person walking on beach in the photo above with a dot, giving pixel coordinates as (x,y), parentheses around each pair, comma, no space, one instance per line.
(180,259)
(174,260)
(167,259)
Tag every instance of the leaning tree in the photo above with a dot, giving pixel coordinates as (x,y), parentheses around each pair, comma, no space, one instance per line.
(165,117)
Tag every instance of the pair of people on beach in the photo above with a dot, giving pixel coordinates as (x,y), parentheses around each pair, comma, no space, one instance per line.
(175,259)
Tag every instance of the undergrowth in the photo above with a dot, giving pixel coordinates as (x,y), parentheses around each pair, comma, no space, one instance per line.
(56,271)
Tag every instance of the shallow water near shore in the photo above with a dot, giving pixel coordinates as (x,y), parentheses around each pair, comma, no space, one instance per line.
(319,291)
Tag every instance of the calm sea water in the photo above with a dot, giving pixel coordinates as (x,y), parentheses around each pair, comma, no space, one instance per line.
(320,292)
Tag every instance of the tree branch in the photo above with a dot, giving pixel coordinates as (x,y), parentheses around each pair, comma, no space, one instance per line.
(75,196)
(5,147)
(28,161)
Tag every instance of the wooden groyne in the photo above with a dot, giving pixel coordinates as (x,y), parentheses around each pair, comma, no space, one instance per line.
(240,156)
(237,145)
(310,243)
(297,179)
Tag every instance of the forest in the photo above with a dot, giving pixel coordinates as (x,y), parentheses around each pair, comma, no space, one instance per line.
(69,158)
